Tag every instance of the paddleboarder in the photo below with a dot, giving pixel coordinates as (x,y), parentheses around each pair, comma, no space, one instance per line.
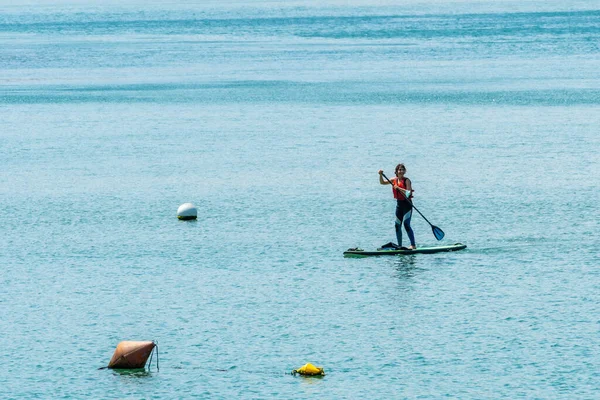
(403,193)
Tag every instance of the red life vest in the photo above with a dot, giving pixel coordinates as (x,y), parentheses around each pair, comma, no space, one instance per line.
(401,184)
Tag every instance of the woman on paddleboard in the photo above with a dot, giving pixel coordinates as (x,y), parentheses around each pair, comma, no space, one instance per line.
(403,193)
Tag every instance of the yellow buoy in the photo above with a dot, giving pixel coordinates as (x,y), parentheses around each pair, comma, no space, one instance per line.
(309,370)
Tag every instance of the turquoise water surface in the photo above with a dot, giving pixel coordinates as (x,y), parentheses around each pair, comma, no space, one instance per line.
(273,119)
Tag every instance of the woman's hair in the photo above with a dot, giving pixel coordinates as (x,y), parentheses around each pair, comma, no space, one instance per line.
(398,167)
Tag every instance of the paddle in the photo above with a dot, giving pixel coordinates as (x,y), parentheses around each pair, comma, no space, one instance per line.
(437,232)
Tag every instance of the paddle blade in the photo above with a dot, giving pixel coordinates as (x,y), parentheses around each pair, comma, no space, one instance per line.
(437,232)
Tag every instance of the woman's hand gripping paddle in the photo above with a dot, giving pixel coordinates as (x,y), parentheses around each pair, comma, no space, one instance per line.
(437,232)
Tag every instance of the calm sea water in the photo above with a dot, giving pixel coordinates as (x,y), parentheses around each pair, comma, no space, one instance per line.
(273,119)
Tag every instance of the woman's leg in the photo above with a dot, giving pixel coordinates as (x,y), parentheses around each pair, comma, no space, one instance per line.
(402,207)
(409,231)
(398,226)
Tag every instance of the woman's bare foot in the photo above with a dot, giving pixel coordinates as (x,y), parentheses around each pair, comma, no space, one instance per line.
(412,247)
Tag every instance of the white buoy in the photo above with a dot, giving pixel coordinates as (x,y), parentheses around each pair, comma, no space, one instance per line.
(187,211)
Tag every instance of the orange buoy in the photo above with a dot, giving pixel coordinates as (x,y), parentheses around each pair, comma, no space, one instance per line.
(129,355)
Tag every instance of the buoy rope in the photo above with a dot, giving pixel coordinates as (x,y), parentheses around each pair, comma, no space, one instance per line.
(151,354)
(150,361)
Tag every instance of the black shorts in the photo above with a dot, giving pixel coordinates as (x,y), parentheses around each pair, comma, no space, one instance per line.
(402,207)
